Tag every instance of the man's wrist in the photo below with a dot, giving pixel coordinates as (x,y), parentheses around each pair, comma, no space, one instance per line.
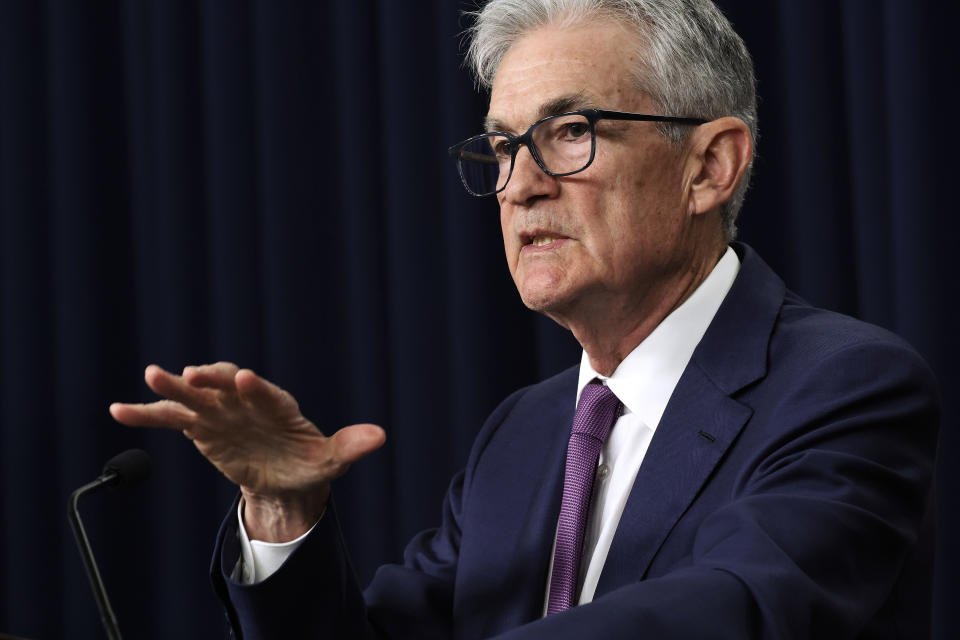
(282,517)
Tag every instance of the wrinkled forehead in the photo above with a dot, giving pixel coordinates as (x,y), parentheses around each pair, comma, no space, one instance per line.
(557,68)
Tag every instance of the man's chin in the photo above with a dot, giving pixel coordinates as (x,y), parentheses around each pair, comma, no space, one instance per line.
(548,302)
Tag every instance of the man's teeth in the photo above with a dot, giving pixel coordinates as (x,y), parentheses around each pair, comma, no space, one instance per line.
(539,241)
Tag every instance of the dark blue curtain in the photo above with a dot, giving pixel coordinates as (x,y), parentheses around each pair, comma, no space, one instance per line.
(266,182)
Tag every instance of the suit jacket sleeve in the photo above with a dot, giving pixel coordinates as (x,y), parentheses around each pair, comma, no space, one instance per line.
(315,594)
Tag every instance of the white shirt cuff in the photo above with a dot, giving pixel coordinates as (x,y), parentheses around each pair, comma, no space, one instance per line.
(259,560)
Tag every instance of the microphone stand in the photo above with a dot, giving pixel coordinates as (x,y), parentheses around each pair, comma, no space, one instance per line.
(86,552)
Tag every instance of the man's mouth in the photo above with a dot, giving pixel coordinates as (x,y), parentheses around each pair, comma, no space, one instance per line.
(541,240)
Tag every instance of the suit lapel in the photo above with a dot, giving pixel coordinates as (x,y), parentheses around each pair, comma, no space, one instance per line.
(507,551)
(537,509)
(701,421)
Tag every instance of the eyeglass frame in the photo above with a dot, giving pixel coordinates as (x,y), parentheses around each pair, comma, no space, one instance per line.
(526,138)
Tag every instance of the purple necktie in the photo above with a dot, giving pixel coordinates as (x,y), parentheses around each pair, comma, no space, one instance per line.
(596,412)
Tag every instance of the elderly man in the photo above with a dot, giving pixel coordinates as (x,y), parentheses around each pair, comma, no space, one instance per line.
(726,461)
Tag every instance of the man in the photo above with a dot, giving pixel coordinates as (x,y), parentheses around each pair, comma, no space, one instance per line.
(739,464)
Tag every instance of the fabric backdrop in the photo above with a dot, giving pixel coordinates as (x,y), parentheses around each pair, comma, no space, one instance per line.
(266,182)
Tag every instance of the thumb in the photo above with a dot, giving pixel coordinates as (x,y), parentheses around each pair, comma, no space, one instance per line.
(354,442)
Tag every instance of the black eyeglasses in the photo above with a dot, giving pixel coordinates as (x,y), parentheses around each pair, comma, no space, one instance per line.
(561,145)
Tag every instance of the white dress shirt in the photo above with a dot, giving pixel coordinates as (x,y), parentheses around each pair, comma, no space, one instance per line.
(643,382)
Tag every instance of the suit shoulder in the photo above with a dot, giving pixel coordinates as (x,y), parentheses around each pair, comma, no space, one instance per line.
(528,403)
(807,339)
(549,390)
(822,332)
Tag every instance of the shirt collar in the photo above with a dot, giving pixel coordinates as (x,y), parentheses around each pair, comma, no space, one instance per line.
(646,378)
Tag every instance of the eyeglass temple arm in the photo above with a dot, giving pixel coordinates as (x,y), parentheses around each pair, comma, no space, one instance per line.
(620,115)
(476,157)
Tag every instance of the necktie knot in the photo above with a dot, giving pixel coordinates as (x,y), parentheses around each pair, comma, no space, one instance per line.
(597,410)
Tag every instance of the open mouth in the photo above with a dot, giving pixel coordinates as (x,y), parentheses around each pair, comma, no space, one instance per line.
(541,239)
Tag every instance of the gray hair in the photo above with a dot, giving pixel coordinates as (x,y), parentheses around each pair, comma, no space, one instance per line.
(693,64)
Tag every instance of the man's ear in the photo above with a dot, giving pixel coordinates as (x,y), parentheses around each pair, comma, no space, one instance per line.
(721,152)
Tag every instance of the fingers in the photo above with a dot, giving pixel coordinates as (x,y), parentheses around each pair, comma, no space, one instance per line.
(215,376)
(261,392)
(349,444)
(175,388)
(164,413)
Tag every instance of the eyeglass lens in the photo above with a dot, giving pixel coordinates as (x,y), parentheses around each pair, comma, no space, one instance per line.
(563,144)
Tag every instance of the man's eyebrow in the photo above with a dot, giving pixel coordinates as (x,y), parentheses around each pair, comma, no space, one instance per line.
(563,104)
(493,124)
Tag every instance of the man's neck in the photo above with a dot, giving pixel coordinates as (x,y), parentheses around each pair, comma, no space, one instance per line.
(608,333)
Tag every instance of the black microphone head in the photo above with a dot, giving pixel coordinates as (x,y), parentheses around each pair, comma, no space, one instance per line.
(129,468)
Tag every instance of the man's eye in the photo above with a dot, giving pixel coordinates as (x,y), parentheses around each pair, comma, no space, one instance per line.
(574,130)
(503,148)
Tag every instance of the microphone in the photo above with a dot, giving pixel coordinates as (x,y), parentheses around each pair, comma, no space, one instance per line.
(124,470)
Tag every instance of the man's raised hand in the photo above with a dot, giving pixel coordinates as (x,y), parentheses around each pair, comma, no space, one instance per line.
(254,433)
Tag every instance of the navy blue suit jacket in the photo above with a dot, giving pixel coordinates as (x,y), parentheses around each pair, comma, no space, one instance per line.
(783,495)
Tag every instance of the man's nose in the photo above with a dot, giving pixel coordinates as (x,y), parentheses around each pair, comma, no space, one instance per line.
(528,181)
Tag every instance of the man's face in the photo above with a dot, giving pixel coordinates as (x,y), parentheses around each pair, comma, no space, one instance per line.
(605,238)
